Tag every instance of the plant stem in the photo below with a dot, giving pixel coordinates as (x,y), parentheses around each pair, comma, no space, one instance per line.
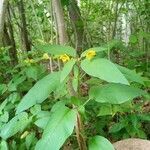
(63,38)
(86,102)
(79,125)
(79,130)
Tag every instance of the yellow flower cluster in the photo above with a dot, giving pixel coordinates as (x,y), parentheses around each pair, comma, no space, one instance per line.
(64,58)
(90,54)
(45,56)
(29,61)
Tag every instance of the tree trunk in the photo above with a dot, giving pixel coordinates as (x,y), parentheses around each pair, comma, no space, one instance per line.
(8,37)
(58,12)
(3,4)
(7,41)
(115,21)
(26,45)
(77,23)
(13,50)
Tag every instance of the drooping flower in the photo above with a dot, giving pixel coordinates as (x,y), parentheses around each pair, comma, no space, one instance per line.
(64,58)
(90,54)
(45,56)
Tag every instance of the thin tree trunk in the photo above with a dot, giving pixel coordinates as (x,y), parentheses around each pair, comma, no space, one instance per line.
(77,23)
(3,4)
(117,12)
(8,38)
(115,21)
(7,41)
(13,50)
(58,12)
(26,44)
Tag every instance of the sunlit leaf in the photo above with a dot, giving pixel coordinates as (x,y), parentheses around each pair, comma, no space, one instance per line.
(3,145)
(66,69)
(57,49)
(39,92)
(114,93)
(117,127)
(58,129)
(131,75)
(103,69)
(18,123)
(99,143)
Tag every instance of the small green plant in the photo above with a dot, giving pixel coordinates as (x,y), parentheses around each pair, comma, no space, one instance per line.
(68,107)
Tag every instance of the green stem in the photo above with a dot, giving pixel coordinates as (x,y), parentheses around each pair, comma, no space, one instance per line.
(86,102)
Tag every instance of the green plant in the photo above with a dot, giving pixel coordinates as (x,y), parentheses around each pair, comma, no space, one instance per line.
(112,85)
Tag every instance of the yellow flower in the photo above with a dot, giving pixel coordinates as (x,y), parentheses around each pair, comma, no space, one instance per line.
(90,54)
(45,56)
(29,61)
(64,58)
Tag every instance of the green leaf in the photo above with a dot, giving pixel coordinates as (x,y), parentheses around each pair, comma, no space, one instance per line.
(14,97)
(117,127)
(61,91)
(12,87)
(57,49)
(10,100)
(66,69)
(130,74)
(99,143)
(93,81)
(32,72)
(114,93)
(144,117)
(2,105)
(123,108)
(133,39)
(18,79)
(30,140)
(60,104)
(39,92)
(105,109)
(4,117)
(75,80)
(35,109)
(3,88)
(42,119)
(3,145)
(58,129)
(18,123)
(103,69)
(141,134)
(42,122)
